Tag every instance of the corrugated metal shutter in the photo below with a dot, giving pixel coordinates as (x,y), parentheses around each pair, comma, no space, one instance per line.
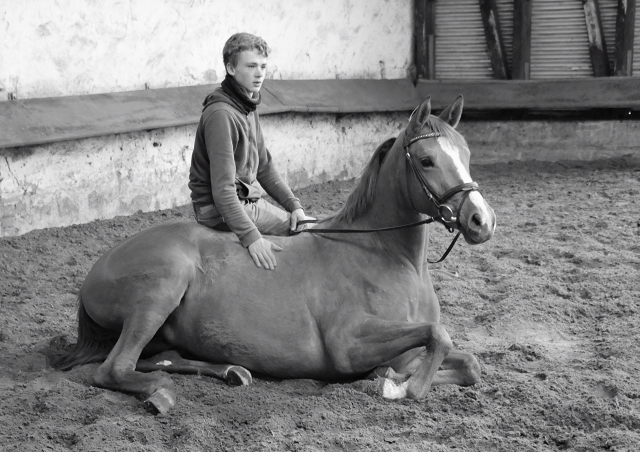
(559,41)
(635,66)
(461,47)
(608,15)
(505,16)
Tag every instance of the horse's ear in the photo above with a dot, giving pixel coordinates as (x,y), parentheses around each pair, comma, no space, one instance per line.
(420,115)
(453,112)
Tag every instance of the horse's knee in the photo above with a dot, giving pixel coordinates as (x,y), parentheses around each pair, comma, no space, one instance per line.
(438,340)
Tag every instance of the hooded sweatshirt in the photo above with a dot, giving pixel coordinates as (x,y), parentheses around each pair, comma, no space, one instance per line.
(229,156)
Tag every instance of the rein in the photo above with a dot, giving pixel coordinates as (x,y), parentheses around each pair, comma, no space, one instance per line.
(391,228)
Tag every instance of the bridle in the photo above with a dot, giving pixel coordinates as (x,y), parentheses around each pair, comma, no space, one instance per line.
(445,213)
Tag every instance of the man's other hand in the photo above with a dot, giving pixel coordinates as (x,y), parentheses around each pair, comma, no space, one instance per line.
(261,251)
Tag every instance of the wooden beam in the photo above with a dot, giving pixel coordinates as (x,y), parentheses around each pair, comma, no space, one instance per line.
(493,35)
(625,24)
(424,39)
(27,122)
(597,44)
(521,39)
(540,95)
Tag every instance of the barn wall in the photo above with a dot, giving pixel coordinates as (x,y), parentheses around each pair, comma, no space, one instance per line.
(75,47)
(51,48)
(550,141)
(85,47)
(78,181)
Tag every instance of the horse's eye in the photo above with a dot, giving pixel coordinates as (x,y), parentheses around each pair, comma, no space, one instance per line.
(426,162)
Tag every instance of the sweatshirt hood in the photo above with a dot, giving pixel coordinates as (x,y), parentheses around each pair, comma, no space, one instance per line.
(231,93)
(220,96)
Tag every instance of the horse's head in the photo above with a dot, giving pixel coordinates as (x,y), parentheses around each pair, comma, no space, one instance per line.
(439,183)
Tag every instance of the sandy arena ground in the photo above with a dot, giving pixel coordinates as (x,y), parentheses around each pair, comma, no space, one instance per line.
(550,306)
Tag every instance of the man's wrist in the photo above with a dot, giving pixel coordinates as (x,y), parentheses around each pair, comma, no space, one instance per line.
(250,238)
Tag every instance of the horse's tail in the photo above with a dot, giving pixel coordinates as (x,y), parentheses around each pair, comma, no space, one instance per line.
(94,343)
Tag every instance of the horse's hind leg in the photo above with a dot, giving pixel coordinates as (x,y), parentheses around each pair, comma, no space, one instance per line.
(171,361)
(118,371)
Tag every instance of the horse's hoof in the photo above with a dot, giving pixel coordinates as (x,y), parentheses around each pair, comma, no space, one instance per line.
(391,390)
(238,376)
(160,401)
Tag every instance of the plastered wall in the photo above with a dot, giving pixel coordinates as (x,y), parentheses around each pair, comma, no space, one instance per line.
(79,181)
(51,48)
(68,47)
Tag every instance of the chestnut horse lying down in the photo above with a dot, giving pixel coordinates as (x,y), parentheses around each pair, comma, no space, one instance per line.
(337,307)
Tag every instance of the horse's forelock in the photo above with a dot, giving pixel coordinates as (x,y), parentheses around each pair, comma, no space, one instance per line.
(438,125)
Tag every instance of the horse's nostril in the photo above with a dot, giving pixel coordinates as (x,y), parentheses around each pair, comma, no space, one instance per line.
(476,220)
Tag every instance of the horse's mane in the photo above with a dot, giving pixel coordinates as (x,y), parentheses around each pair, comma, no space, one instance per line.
(362,195)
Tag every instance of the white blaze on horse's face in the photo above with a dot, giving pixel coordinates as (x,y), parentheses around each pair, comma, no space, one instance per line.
(444,158)
(477,218)
(453,154)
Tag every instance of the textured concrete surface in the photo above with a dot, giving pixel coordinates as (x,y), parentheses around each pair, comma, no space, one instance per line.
(82,180)
(504,141)
(79,181)
(54,48)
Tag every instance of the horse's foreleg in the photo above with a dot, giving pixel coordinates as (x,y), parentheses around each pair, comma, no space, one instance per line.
(377,341)
(171,361)
(458,368)
(420,382)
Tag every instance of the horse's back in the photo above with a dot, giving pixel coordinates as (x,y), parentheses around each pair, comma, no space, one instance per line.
(163,257)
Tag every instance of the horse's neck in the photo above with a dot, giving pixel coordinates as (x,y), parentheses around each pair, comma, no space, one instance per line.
(392,207)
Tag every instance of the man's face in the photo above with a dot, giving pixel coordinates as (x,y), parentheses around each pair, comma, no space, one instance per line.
(250,70)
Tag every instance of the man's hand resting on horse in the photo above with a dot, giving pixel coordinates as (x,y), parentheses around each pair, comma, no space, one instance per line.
(261,251)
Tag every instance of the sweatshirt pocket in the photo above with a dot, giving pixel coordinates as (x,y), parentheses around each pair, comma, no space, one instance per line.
(247,191)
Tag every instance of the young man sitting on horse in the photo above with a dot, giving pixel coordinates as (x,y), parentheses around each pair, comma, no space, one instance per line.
(230,158)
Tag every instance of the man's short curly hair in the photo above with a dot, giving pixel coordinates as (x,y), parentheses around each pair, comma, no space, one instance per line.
(240,42)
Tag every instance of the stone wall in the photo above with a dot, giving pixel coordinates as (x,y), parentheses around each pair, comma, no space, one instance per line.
(79,181)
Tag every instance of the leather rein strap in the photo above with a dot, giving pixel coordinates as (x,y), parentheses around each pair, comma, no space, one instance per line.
(391,228)
(445,214)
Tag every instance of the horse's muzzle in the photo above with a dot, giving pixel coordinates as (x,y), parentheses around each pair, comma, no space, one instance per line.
(477,220)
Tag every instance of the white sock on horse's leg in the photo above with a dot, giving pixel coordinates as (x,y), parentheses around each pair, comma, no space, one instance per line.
(391,390)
